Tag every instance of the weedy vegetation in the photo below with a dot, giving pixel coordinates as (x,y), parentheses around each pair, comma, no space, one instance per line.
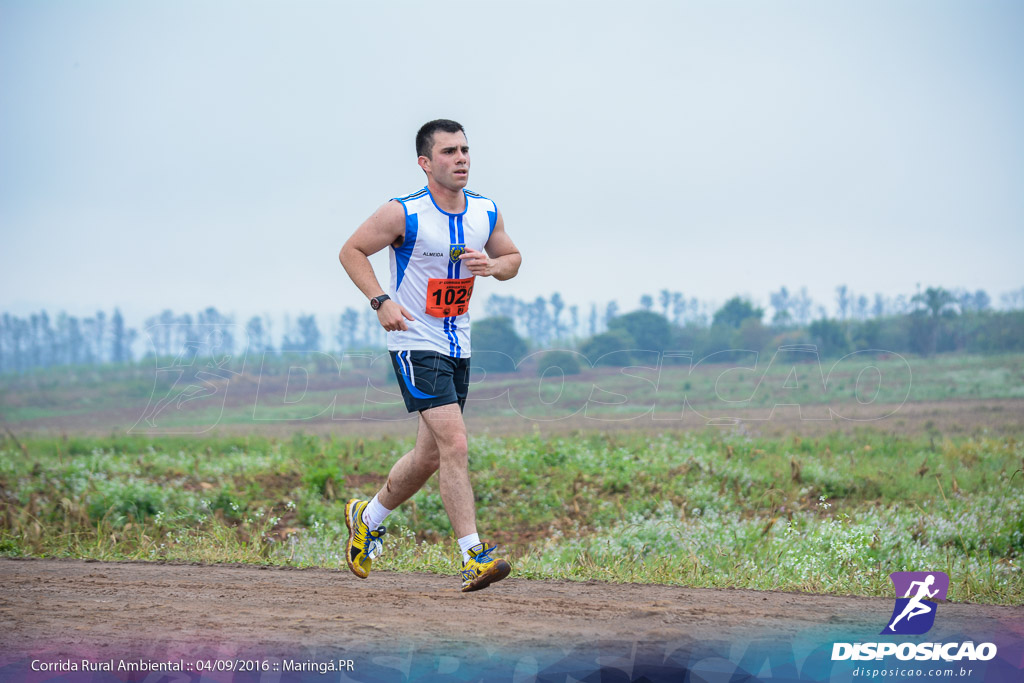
(716,508)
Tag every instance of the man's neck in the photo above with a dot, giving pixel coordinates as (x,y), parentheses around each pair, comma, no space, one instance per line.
(452,201)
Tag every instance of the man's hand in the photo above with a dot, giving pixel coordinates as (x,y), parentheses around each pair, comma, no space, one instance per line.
(392,317)
(478,262)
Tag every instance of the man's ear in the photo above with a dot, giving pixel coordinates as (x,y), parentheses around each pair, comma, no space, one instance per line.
(424,163)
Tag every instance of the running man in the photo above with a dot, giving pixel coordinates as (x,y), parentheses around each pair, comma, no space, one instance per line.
(440,237)
(915,607)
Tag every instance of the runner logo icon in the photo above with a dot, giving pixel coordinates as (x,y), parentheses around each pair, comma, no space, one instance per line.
(917,597)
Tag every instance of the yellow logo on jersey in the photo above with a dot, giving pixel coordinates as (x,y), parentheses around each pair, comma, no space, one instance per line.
(456,251)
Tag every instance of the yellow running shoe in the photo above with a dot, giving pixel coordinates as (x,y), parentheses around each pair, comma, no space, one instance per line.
(481,570)
(364,543)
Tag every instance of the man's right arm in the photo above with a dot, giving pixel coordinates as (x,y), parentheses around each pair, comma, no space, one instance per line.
(386,226)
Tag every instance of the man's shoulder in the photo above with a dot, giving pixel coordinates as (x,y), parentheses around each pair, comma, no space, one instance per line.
(476,196)
(418,194)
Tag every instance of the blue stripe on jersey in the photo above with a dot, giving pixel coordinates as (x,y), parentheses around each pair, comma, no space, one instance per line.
(404,252)
(462,240)
(451,339)
(492,216)
(452,236)
(451,241)
(457,352)
(404,361)
(458,267)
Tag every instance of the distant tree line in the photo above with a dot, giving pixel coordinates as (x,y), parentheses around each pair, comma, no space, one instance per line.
(932,321)
(37,341)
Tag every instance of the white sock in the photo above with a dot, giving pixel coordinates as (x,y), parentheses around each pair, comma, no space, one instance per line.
(374,513)
(467,542)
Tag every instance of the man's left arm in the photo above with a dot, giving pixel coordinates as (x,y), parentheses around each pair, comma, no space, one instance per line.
(502,258)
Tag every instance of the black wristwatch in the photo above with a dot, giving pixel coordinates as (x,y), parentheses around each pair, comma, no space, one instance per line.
(376,301)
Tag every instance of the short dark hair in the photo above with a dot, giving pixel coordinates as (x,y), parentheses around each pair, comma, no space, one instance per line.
(425,136)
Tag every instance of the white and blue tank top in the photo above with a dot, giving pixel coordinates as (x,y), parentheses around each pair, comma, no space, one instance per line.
(427,277)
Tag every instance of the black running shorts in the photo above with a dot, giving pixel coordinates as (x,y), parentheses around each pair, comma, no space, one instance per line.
(430,379)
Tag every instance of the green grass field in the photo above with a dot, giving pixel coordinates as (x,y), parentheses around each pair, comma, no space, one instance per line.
(835,514)
(749,383)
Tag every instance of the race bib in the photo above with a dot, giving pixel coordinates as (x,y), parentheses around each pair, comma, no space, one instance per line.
(448,297)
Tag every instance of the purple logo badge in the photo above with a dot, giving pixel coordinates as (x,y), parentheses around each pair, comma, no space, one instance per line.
(917,597)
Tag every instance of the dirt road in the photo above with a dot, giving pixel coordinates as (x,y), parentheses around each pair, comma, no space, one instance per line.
(418,626)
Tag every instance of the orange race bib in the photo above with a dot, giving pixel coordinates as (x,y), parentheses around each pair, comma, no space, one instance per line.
(448,297)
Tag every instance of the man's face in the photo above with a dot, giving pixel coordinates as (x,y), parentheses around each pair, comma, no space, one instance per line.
(449,161)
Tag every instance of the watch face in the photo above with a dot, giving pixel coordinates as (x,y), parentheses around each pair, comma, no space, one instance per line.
(374,304)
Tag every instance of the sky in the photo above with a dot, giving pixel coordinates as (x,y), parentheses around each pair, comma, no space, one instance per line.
(186,154)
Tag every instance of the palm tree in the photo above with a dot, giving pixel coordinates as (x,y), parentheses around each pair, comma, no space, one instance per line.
(933,305)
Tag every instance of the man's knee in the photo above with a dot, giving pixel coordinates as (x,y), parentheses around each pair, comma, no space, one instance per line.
(452,444)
